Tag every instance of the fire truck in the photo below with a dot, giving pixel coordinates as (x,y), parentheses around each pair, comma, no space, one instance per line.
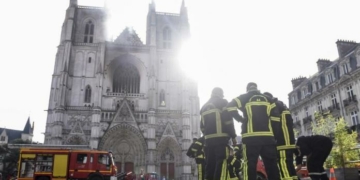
(47,162)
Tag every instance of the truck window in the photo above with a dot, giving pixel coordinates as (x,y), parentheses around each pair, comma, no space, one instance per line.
(104,159)
(81,158)
(27,168)
(44,163)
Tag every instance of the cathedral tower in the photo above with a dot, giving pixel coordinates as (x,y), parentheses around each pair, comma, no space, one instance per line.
(124,95)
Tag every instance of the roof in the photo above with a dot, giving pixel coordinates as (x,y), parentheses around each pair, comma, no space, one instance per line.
(129,37)
(12,134)
(27,128)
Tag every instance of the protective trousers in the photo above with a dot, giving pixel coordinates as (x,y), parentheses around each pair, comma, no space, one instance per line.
(286,164)
(201,171)
(315,162)
(268,154)
(216,162)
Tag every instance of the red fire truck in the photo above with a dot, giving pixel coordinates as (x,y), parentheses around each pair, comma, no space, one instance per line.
(43,162)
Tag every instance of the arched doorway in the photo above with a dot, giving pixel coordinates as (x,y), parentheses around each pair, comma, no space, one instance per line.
(128,147)
(169,157)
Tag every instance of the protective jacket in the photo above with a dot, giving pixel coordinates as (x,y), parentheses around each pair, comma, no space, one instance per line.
(310,145)
(196,150)
(285,138)
(216,124)
(261,118)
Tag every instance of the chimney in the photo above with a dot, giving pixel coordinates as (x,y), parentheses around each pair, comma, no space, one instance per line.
(297,81)
(322,64)
(73,3)
(344,47)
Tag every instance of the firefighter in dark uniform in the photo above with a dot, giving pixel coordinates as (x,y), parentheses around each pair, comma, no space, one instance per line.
(217,127)
(261,121)
(316,149)
(196,150)
(234,163)
(285,142)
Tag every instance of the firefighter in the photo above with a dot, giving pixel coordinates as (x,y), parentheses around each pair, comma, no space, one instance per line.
(234,163)
(258,126)
(196,150)
(217,127)
(316,149)
(285,141)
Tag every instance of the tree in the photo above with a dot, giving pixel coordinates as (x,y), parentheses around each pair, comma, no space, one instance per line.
(343,139)
(10,157)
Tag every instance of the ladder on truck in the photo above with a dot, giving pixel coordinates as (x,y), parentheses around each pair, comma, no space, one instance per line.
(48,146)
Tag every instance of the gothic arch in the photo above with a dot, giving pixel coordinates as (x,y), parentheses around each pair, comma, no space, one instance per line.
(170,143)
(168,150)
(127,144)
(88,30)
(129,59)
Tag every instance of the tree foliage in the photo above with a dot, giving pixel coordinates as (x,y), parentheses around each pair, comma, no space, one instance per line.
(344,140)
(10,157)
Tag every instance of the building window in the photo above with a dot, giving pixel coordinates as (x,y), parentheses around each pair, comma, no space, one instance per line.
(126,79)
(89,32)
(306,112)
(303,93)
(333,100)
(330,78)
(345,68)
(320,109)
(167,38)
(2,138)
(350,93)
(353,63)
(89,60)
(293,100)
(354,118)
(162,98)
(81,158)
(88,94)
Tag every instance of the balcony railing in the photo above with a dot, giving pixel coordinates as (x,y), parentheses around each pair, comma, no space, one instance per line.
(334,107)
(350,100)
(133,95)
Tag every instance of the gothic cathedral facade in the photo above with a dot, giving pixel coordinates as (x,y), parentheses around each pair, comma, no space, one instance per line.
(123,95)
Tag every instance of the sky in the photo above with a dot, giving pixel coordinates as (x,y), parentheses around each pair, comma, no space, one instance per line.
(233,42)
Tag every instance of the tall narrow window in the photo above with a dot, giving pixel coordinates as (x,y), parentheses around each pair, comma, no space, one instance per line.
(334,101)
(162,98)
(293,99)
(167,38)
(88,94)
(89,32)
(330,78)
(354,118)
(350,93)
(89,60)
(320,109)
(345,68)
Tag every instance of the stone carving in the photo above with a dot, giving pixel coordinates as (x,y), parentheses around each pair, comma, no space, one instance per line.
(75,140)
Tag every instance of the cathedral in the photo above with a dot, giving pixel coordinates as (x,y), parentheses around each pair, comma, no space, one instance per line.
(124,95)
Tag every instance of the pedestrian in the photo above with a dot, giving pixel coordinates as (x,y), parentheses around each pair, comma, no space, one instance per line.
(196,150)
(316,148)
(260,121)
(217,127)
(285,141)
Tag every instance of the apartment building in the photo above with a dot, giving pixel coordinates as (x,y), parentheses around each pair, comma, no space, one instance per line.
(335,88)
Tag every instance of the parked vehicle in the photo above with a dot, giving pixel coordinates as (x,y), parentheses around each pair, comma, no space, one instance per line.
(65,162)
